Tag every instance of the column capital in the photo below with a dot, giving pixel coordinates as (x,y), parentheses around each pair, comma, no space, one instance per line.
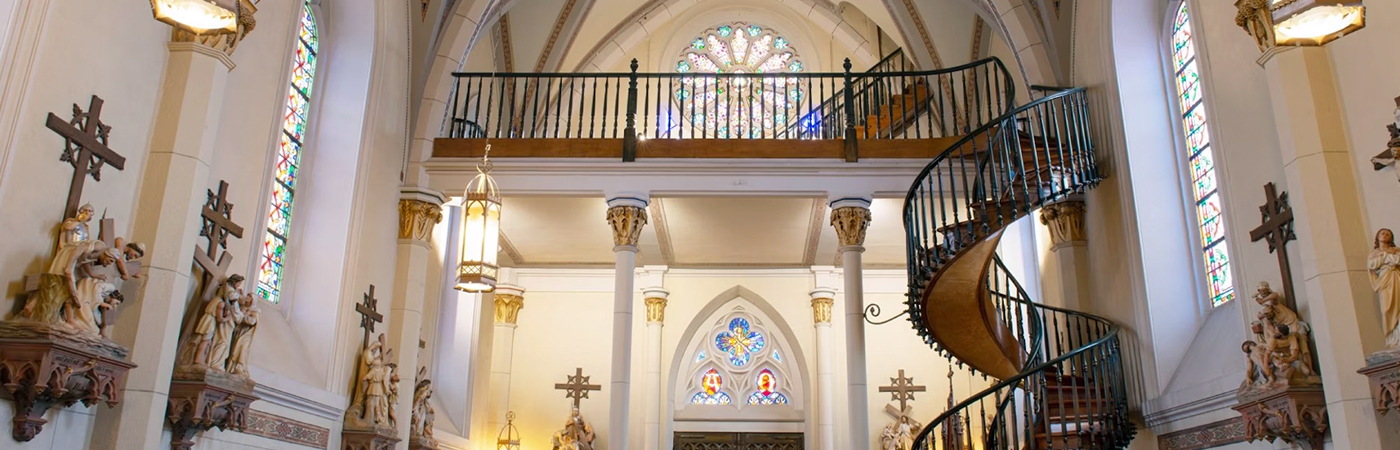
(851,217)
(418,216)
(822,299)
(627,218)
(509,300)
(1066,222)
(656,305)
(222,45)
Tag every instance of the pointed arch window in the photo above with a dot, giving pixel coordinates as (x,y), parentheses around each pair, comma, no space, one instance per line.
(737,364)
(1201,155)
(290,146)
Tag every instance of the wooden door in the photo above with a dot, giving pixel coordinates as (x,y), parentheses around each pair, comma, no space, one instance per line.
(738,441)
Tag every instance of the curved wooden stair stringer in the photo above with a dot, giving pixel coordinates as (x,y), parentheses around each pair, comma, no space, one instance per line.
(966,322)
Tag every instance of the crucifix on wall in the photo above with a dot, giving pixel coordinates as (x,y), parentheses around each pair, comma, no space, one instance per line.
(901,390)
(85,148)
(1277,230)
(217,227)
(577,387)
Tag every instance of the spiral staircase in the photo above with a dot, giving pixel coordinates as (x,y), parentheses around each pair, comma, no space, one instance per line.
(1056,376)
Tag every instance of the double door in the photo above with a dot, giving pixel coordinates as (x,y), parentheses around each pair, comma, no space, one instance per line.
(738,441)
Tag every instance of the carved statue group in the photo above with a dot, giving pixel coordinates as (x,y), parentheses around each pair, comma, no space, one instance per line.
(1280,354)
(222,336)
(83,280)
(900,434)
(421,424)
(576,435)
(376,389)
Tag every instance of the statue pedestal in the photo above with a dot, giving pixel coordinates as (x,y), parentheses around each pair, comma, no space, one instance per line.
(422,443)
(378,438)
(43,365)
(204,399)
(1384,372)
(1296,414)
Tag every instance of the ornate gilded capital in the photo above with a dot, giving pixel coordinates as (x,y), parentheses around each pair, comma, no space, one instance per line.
(225,43)
(821,310)
(656,309)
(850,223)
(1257,19)
(627,222)
(508,307)
(1065,220)
(417,218)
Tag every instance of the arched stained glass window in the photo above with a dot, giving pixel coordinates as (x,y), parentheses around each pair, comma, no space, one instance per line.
(739,107)
(1201,155)
(710,393)
(289,150)
(766,390)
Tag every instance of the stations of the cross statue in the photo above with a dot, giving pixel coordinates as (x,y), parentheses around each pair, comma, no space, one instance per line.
(900,432)
(577,433)
(370,421)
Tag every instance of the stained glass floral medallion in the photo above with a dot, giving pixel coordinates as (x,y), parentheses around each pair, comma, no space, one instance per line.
(739,106)
(710,394)
(766,390)
(739,342)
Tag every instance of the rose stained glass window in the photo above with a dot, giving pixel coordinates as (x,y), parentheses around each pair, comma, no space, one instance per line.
(739,342)
(271,269)
(1202,161)
(710,393)
(766,390)
(739,107)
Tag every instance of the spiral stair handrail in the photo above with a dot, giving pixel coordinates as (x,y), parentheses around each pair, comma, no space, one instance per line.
(1058,378)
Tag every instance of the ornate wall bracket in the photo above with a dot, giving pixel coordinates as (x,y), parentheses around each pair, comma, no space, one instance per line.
(368,439)
(1294,414)
(1384,373)
(218,400)
(42,366)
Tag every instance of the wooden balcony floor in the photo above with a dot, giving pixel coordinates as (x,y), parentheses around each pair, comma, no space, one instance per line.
(693,148)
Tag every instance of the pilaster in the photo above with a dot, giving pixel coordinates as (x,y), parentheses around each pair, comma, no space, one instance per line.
(1070,251)
(419,211)
(656,318)
(509,300)
(822,301)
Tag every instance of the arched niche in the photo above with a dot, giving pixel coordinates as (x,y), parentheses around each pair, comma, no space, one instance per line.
(789,367)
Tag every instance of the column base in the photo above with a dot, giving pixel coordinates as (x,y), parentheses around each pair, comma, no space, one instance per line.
(44,365)
(1295,414)
(1384,373)
(206,400)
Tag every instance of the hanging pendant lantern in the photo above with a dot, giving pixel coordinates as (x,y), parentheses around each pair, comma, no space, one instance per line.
(1316,22)
(509,438)
(481,231)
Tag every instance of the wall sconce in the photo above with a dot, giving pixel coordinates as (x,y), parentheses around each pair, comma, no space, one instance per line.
(200,17)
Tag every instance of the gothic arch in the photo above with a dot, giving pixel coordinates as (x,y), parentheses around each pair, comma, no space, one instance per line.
(734,302)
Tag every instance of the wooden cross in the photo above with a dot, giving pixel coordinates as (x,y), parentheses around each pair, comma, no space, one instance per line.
(369,313)
(85,148)
(1277,230)
(218,225)
(902,390)
(577,388)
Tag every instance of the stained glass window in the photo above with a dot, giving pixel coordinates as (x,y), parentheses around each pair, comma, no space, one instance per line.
(739,106)
(740,342)
(288,162)
(1202,161)
(766,390)
(710,394)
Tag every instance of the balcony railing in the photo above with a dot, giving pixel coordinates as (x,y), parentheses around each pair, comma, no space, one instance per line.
(883,103)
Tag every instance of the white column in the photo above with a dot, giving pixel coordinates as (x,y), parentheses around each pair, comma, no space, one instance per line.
(1071,252)
(851,217)
(168,222)
(509,299)
(627,215)
(656,317)
(826,376)
(419,211)
(1320,167)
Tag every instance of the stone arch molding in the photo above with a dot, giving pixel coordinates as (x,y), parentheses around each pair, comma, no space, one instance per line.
(791,368)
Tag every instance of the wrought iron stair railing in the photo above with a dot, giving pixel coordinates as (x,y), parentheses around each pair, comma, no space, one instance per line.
(1057,374)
